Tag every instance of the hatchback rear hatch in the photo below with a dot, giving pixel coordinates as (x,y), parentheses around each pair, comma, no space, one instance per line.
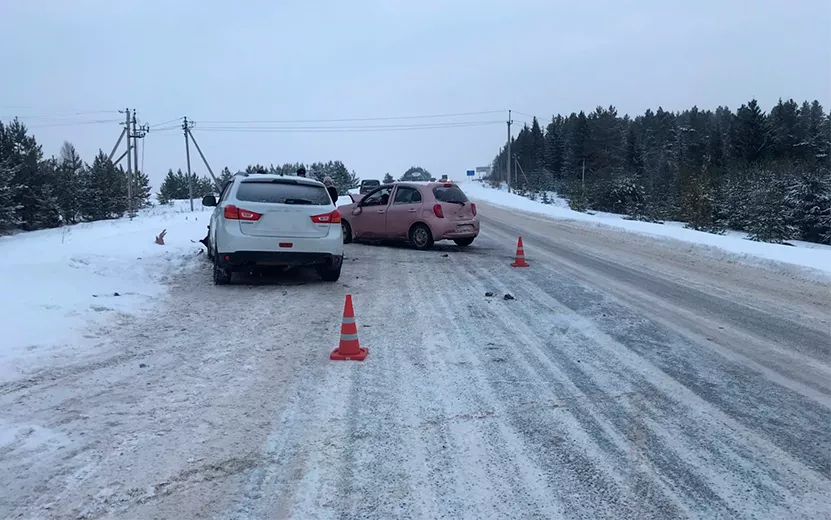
(284,208)
(454,203)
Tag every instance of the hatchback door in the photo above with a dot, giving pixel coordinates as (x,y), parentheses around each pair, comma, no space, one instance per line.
(283,208)
(454,203)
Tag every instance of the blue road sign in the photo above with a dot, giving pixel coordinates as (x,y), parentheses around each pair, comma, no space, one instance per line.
(471,173)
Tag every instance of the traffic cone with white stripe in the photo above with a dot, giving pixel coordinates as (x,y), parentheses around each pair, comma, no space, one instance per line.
(520,255)
(349,347)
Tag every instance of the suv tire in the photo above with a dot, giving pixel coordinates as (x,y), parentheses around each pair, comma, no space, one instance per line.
(330,274)
(222,276)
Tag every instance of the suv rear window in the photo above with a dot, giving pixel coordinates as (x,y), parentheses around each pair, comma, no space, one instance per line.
(451,194)
(281,192)
(370,183)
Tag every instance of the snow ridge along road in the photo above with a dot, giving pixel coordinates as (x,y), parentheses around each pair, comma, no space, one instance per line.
(628,379)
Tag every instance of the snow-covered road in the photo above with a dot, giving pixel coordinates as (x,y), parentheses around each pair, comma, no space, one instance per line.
(628,379)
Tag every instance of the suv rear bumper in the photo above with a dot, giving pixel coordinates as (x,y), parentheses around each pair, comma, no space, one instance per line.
(278,258)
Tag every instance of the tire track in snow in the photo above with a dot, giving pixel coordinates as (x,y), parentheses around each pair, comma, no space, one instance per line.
(584,456)
(632,341)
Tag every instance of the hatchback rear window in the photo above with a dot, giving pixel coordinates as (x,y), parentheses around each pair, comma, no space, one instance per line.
(281,192)
(451,194)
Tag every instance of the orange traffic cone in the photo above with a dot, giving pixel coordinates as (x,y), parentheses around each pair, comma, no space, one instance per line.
(520,255)
(349,347)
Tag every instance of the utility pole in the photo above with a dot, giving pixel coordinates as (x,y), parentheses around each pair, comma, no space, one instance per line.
(129,163)
(138,133)
(186,129)
(509,151)
(208,166)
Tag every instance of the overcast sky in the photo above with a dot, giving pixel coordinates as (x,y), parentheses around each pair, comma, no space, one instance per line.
(253,60)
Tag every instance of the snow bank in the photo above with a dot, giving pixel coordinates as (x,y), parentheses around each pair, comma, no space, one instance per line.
(60,283)
(734,243)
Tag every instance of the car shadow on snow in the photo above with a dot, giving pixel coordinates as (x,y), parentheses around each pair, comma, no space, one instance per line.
(278,277)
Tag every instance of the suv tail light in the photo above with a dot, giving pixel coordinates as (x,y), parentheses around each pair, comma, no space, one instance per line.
(473,208)
(327,218)
(438,211)
(234,213)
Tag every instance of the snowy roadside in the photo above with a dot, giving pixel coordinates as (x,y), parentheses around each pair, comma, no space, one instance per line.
(814,260)
(62,285)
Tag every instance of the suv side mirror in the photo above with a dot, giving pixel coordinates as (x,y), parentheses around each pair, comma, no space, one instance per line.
(209,201)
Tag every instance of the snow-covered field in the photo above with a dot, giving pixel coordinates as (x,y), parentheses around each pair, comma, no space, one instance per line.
(732,245)
(60,283)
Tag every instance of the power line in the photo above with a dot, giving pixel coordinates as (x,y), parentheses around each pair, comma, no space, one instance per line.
(527,115)
(347,129)
(358,119)
(75,123)
(167,123)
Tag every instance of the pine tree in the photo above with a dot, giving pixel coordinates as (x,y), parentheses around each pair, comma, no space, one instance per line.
(770,215)
(388,178)
(174,187)
(810,200)
(416,173)
(143,192)
(751,139)
(70,169)
(225,176)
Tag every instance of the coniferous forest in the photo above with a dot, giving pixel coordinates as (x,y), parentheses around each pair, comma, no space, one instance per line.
(763,173)
(38,192)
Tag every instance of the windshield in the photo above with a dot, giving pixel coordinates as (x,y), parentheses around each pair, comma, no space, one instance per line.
(449,194)
(281,192)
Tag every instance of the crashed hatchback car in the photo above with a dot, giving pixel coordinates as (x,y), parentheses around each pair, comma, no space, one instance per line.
(420,213)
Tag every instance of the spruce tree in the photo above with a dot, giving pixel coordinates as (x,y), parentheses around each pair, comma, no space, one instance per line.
(69,173)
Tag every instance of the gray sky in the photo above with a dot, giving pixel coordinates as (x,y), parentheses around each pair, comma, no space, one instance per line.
(215,60)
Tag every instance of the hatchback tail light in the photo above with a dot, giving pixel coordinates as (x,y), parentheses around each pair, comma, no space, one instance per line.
(327,218)
(438,211)
(234,213)
(473,208)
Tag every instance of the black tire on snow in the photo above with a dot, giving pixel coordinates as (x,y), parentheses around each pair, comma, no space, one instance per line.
(347,232)
(330,274)
(421,237)
(221,276)
(463,242)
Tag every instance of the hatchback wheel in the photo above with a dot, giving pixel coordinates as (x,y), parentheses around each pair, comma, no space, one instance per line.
(464,241)
(347,232)
(421,237)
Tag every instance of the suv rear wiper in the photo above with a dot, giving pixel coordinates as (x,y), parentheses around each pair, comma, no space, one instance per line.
(297,201)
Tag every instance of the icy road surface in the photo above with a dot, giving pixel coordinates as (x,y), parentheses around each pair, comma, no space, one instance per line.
(628,379)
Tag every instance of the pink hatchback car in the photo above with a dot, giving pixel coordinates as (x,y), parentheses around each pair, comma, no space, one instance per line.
(421,213)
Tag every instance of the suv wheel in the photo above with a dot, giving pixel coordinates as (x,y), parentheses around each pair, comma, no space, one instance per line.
(222,276)
(421,237)
(329,273)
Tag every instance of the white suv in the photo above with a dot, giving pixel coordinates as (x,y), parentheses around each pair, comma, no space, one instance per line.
(272,220)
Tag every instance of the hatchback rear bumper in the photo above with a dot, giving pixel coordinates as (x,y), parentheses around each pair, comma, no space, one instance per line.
(449,230)
(278,258)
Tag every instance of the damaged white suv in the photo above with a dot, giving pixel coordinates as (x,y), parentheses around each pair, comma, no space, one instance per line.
(274,220)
